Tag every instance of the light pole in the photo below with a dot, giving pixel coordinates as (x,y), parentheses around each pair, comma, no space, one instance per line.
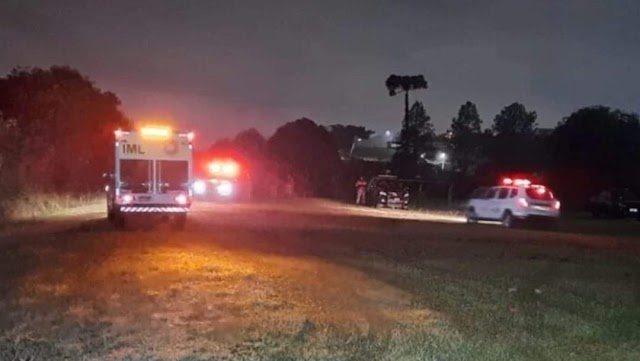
(443,158)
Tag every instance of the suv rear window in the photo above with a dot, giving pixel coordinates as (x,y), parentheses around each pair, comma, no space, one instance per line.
(543,194)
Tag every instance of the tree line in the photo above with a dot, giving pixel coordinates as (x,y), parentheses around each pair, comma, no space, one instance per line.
(302,152)
(56,134)
(56,131)
(592,148)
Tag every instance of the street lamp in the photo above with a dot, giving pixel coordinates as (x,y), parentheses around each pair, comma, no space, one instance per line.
(443,158)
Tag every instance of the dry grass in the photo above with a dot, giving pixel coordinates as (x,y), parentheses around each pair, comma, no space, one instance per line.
(246,287)
(38,205)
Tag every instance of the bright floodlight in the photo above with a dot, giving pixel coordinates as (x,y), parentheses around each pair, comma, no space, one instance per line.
(442,155)
(199,187)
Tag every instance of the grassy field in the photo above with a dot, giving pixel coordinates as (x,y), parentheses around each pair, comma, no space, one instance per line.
(271,284)
(37,205)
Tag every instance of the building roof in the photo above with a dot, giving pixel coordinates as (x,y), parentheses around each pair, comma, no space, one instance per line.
(373,154)
(378,148)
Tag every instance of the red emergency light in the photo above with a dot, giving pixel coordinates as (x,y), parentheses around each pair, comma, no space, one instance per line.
(516,182)
(227,168)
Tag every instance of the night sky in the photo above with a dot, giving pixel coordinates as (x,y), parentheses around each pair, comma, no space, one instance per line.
(222,66)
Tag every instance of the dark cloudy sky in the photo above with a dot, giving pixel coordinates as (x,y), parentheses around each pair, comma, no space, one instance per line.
(222,66)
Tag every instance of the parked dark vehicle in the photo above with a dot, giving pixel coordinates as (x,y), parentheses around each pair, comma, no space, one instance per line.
(387,191)
(616,203)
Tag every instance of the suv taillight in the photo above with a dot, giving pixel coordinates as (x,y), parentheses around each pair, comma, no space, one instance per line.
(556,205)
(523,202)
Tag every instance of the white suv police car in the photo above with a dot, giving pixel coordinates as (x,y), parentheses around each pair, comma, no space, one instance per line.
(515,199)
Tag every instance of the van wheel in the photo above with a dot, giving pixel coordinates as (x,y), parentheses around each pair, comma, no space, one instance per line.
(119,220)
(472,217)
(507,219)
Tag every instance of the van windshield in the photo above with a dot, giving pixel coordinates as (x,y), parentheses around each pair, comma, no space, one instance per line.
(135,175)
(173,174)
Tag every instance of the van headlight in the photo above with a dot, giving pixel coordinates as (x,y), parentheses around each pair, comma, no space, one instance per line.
(199,187)
(225,188)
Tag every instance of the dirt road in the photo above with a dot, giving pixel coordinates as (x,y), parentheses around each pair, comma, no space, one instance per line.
(317,280)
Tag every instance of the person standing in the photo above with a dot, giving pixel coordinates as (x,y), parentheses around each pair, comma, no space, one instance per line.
(361,190)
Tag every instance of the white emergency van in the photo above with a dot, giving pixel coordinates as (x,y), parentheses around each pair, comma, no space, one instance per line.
(152,175)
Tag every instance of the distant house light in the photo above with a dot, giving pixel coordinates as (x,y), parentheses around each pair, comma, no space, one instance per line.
(387,133)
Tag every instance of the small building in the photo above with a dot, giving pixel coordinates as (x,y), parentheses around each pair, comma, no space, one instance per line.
(380,148)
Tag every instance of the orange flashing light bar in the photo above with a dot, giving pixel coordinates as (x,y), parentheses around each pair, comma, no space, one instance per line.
(155,132)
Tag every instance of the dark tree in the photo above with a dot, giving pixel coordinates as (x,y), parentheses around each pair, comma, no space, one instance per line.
(404,84)
(222,146)
(515,147)
(593,148)
(62,127)
(466,138)
(344,135)
(515,120)
(308,153)
(414,141)
(248,143)
(251,143)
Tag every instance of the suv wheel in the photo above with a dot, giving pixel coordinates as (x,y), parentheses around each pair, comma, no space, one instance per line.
(471,216)
(507,219)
